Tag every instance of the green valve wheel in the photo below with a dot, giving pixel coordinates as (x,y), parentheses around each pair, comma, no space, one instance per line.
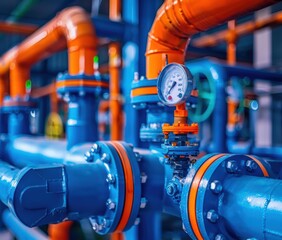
(206,95)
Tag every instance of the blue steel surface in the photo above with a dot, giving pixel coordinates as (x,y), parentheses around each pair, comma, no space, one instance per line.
(209,200)
(252,207)
(130,52)
(21,231)
(62,192)
(155,117)
(3,122)
(116,190)
(82,123)
(19,122)
(221,73)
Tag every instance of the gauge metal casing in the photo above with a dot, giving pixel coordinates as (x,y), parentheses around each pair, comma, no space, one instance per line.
(174,84)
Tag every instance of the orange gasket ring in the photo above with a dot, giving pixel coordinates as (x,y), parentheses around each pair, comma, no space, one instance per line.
(80,83)
(263,169)
(193,195)
(144,91)
(129,186)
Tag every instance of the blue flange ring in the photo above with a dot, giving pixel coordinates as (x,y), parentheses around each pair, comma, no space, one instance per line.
(108,222)
(202,191)
(124,185)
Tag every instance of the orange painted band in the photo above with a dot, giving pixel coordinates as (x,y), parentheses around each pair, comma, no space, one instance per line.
(192,212)
(144,91)
(129,186)
(263,169)
(80,83)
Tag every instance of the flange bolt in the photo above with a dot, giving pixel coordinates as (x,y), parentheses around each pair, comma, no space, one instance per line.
(251,165)
(95,148)
(216,186)
(212,216)
(232,166)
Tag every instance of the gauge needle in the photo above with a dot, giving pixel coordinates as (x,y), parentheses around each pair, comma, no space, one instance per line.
(172,86)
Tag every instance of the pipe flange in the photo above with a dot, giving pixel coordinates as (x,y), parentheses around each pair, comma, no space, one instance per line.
(124,179)
(144,92)
(203,192)
(81,84)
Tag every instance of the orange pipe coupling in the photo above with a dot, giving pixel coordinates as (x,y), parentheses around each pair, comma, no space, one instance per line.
(178,20)
(71,28)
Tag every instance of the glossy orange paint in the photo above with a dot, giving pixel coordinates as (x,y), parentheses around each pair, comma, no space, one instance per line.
(60,231)
(17,28)
(193,195)
(129,185)
(116,120)
(71,28)
(3,87)
(231,43)
(178,20)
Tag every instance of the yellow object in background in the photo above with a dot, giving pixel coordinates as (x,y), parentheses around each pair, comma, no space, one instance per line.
(54,126)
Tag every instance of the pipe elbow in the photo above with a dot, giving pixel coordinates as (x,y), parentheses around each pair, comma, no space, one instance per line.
(75,24)
(177,20)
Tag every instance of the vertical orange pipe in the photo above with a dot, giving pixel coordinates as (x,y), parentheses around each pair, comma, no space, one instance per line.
(115,104)
(231,43)
(178,20)
(114,70)
(3,88)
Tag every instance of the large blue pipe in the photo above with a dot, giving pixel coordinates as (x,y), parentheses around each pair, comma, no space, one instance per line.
(21,231)
(252,207)
(25,150)
(52,194)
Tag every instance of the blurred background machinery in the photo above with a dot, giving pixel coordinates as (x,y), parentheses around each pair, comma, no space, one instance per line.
(140,119)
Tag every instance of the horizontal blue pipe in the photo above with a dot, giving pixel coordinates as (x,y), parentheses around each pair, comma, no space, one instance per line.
(55,193)
(25,150)
(20,230)
(8,174)
(252,207)
(270,152)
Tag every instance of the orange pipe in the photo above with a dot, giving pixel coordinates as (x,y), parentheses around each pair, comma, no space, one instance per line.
(115,101)
(3,88)
(178,20)
(240,30)
(231,43)
(71,28)
(16,28)
(116,119)
(60,231)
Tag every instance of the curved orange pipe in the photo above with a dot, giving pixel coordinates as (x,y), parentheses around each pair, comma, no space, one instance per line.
(178,20)
(71,28)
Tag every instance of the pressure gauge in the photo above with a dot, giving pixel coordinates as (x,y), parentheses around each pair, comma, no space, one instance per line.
(175,84)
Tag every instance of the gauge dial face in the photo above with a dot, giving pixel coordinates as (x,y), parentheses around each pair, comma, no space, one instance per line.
(175,84)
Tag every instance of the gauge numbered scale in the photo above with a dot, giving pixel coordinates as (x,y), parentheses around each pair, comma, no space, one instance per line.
(175,84)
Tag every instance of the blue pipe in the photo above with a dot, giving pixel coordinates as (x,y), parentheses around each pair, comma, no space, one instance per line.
(269,152)
(251,207)
(18,123)
(24,150)
(20,230)
(70,192)
(82,123)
